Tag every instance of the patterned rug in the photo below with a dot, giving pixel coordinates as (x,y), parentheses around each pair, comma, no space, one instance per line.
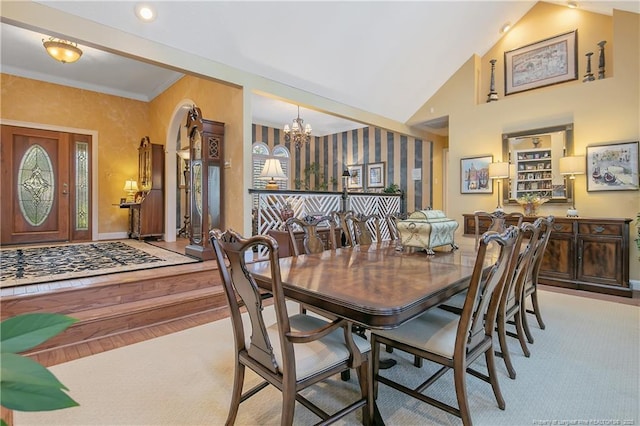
(31,265)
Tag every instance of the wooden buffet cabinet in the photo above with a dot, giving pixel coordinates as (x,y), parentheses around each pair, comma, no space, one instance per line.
(583,253)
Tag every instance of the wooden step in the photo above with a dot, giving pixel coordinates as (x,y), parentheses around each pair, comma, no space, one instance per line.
(114,319)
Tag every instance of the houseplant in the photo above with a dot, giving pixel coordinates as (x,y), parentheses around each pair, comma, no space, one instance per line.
(26,385)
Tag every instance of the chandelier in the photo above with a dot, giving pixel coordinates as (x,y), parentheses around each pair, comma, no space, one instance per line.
(298,133)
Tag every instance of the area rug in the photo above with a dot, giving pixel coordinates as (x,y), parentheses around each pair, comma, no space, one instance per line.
(584,369)
(31,265)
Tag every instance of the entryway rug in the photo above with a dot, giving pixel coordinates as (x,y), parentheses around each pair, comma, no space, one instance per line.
(31,265)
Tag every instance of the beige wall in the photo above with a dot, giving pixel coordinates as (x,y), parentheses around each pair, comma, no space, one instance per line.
(602,111)
(120,124)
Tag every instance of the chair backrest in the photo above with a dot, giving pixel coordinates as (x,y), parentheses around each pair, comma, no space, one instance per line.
(361,226)
(513,288)
(480,308)
(237,280)
(391,219)
(340,220)
(546,227)
(311,241)
(498,220)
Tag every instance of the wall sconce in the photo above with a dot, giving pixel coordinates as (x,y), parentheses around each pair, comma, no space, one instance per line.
(497,172)
(64,51)
(272,171)
(572,165)
(131,187)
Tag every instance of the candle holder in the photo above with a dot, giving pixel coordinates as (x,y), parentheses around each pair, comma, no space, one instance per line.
(493,95)
(589,75)
(601,60)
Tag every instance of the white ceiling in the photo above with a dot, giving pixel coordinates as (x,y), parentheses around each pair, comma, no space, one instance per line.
(386,58)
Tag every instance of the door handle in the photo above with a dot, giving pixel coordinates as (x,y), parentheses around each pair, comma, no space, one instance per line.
(65,190)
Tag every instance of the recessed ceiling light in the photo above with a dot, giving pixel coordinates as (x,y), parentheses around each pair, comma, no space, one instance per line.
(506,27)
(572,4)
(145,12)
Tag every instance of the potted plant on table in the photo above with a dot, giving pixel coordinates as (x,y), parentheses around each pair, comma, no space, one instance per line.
(25,385)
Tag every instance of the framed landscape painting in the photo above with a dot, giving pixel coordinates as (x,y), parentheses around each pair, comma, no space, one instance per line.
(546,62)
(474,175)
(612,167)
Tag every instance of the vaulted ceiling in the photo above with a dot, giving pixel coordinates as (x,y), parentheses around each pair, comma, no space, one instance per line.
(386,58)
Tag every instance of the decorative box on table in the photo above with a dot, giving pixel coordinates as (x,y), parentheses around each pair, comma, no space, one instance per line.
(427,229)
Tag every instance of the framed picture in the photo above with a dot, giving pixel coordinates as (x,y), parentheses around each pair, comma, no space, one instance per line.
(123,201)
(474,175)
(355,180)
(612,167)
(546,62)
(375,175)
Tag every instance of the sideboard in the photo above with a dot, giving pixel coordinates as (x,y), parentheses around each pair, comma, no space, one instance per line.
(583,253)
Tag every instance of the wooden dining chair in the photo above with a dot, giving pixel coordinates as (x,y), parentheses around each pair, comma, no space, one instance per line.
(531,283)
(498,221)
(391,220)
(340,220)
(294,352)
(361,226)
(456,341)
(311,241)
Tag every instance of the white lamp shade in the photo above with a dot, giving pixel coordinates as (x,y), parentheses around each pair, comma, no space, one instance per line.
(131,186)
(272,170)
(572,165)
(184,153)
(499,170)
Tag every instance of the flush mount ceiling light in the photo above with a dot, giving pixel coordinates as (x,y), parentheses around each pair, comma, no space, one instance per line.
(506,27)
(572,4)
(64,51)
(145,13)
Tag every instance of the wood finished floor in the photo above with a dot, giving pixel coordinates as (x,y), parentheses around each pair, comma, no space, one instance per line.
(65,354)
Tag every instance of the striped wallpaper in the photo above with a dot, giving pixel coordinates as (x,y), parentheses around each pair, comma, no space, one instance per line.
(401,155)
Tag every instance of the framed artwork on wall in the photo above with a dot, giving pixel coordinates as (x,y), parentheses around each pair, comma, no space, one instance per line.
(474,175)
(375,175)
(355,180)
(543,63)
(612,167)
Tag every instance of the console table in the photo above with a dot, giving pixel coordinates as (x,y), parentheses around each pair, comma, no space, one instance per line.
(583,253)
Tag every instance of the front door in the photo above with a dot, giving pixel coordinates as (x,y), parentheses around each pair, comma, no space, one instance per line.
(42,177)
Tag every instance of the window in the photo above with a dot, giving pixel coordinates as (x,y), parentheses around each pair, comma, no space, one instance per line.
(261,153)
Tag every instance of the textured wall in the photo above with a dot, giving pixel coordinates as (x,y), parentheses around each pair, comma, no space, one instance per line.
(400,153)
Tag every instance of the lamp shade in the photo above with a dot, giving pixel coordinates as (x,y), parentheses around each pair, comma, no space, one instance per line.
(131,186)
(346,173)
(572,165)
(272,171)
(183,153)
(499,170)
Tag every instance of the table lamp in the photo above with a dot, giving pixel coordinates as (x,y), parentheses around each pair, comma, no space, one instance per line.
(131,186)
(345,185)
(572,165)
(272,171)
(499,171)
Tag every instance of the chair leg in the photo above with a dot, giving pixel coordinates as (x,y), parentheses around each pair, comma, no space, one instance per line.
(366,390)
(520,333)
(459,373)
(288,401)
(236,394)
(375,357)
(493,378)
(417,361)
(536,308)
(525,321)
(504,349)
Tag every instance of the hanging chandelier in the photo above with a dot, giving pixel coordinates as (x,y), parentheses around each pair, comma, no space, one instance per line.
(298,133)
(64,51)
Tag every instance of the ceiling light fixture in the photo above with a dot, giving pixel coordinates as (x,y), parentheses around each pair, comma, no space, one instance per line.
(145,13)
(572,4)
(506,27)
(298,133)
(64,51)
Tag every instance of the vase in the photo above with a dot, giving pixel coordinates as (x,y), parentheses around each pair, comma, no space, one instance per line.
(530,209)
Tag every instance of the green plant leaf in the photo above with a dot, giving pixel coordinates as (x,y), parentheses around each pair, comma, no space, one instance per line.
(21,397)
(22,370)
(23,332)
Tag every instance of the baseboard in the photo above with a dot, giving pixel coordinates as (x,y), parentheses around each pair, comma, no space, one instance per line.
(635,285)
(113,236)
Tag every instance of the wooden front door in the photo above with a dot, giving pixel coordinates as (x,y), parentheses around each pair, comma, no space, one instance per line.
(40,183)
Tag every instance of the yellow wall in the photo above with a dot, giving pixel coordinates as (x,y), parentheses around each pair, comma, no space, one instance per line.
(602,111)
(120,124)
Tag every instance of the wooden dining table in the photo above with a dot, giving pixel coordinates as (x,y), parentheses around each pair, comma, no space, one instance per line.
(375,286)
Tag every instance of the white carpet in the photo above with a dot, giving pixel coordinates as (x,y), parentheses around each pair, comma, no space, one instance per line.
(584,369)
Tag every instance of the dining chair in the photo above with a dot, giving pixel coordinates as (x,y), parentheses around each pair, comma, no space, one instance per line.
(361,227)
(531,283)
(311,241)
(340,219)
(293,353)
(498,221)
(456,341)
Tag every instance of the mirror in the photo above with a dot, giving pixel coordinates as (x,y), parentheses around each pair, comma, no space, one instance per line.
(534,157)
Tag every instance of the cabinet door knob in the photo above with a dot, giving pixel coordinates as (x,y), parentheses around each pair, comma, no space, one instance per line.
(598,229)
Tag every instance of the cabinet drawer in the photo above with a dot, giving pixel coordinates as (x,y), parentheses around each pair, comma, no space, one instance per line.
(600,229)
(563,227)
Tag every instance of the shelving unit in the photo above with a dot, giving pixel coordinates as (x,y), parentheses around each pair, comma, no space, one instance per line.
(534,174)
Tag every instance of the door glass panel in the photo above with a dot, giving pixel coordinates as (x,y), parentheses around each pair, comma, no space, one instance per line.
(82,186)
(214,197)
(36,185)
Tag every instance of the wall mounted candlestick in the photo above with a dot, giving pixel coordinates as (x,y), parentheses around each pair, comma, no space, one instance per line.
(601,60)
(589,75)
(493,95)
